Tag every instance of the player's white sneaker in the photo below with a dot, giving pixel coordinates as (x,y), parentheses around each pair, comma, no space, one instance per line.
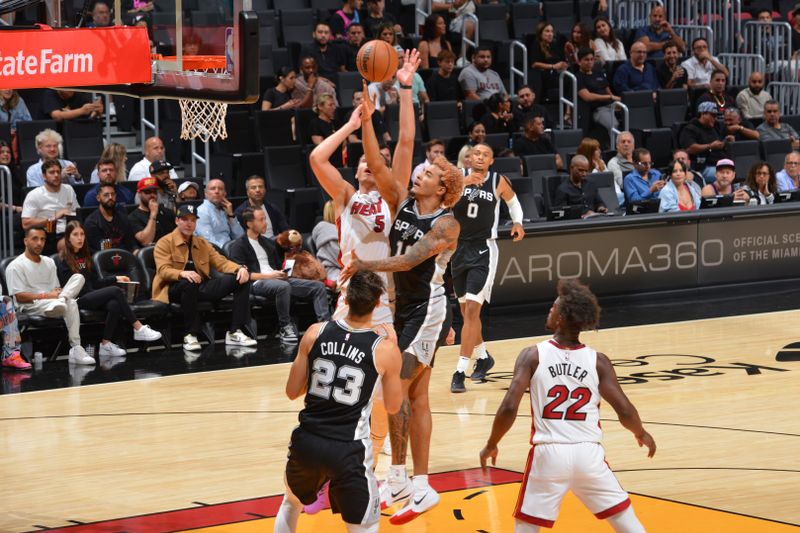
(394,491)
(422,500)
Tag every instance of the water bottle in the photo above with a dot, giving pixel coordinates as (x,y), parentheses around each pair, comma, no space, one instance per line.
(37,360)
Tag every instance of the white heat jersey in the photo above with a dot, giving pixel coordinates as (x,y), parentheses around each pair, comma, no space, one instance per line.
(565,395)
(364,226)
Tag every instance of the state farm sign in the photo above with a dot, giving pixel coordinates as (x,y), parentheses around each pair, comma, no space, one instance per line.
(74,57)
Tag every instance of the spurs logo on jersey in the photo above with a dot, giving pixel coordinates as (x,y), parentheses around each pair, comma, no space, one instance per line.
(567,389)
(478,210)
(364,227)
(426,280)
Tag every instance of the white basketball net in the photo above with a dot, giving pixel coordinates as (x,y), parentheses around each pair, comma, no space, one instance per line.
(203,119)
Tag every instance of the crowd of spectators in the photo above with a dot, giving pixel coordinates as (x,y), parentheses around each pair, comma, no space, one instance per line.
(190,225)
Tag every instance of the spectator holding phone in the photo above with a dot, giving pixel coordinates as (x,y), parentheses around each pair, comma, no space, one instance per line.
(645,182)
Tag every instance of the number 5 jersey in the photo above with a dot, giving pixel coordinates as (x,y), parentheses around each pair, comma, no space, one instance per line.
(565,395)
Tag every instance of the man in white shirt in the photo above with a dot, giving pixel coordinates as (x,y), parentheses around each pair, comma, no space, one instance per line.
(49,206)
(153,151)
(33,282)
(216,222)
(433,149)
(701,65)
(260,257)
(50,145)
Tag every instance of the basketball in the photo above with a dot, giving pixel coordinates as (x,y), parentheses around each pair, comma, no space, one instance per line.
(377,60)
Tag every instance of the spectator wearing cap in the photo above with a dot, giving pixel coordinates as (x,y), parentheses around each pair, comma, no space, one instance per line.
(701,65)
(153,151)
(216,221)
(183,276)
(772,128)
(723,184)
(167,190)
(751,100)
(703,141)
(188,191)
(645,182)
(150,220)
(789,177)
(256,193)
(636,74)
(108,227)
(107,175)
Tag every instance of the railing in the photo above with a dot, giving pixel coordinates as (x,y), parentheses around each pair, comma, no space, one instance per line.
(689,33)
(772,40)
(146,124)
(466,40)
(565,102)
(787,94)
(6,213)
(513,71)
(420,13)
(204,160)
(724,17)
(740,66)
(631,14)
(625,122)
(107,104)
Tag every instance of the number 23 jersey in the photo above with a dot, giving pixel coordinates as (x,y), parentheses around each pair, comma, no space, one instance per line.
(565,395)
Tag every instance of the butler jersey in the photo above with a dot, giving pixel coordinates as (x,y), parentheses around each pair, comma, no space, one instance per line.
(565,395)
(426,280)
(341,381)
(478,210)
(364,226)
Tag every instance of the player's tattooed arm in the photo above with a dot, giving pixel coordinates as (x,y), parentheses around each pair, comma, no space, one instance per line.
(527,362)
(443,235)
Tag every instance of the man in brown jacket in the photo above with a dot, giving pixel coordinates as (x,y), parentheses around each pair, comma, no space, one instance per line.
(183,275)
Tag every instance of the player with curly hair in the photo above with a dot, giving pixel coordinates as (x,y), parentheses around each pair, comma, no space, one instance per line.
(566,381)
(423,237)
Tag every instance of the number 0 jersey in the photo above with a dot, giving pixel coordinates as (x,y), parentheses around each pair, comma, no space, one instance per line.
(478,210)
(565,395)
(342,379)
(364,226)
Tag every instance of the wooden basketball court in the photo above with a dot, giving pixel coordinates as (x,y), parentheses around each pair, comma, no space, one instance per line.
(206,451)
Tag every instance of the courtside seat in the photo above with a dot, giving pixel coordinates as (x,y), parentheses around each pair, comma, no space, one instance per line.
(117,262)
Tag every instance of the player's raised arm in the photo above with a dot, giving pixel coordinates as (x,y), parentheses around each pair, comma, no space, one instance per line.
(514,207)
(387,356)
(391,191)
(526,364)
(298,374)
(329,177)
(627,413)
(442,236)
(404,151)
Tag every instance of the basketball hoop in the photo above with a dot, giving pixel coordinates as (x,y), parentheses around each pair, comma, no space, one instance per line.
(203,119)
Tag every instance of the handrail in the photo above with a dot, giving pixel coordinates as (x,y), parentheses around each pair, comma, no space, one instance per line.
(573,104)
(107,104)
(740,66)
(425,14)
(513,71)
(625,122)
(465,40)
(689,32)
(787,94)
(145,124)
(7,216)
(205,161)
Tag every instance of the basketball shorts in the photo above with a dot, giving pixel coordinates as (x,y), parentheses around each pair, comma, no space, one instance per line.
(353,490)
(474,265)
(553,469)
(422,327)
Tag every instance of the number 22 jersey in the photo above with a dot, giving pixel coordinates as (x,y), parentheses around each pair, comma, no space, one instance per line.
(565,395)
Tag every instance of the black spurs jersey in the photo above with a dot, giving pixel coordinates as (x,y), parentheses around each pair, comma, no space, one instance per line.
(478,210)
(341,381)
(426,280)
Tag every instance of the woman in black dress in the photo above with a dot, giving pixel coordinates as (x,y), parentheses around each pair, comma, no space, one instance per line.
(547,60)
(279,97)
(99,293)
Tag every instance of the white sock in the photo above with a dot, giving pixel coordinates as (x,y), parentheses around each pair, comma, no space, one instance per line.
(463,364)
(420,482)
(398,473)
(524,527)
(626,522)
(288,513)
(480,351)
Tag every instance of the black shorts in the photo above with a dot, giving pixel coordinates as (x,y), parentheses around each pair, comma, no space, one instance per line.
(422,327)
(474,265)
(353,491)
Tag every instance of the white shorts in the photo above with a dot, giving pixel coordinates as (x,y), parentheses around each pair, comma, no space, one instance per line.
(553,469)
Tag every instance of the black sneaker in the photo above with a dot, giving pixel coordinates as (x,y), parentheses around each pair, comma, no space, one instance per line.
(457,385)
(482,366)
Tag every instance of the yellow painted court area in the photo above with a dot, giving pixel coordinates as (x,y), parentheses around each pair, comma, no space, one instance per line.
(491,512)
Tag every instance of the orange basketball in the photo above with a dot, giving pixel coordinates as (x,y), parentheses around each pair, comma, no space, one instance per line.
(377,60)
